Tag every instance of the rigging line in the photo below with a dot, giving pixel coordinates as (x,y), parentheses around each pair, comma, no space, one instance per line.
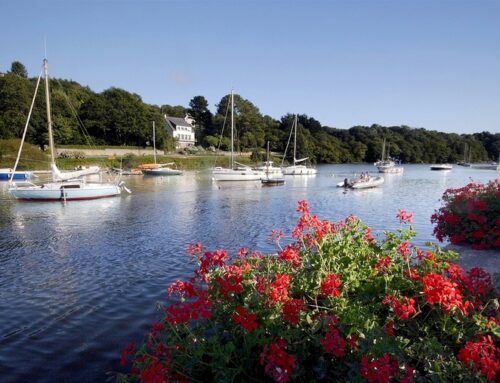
(287,144)
(26,128)
(222,133)
(78,119)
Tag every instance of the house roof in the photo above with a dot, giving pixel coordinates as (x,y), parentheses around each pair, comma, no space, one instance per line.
(175,121)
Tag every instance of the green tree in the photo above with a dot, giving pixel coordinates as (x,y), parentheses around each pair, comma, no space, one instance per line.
(18,69)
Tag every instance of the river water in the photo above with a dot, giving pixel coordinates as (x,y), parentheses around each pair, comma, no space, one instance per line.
(80,281)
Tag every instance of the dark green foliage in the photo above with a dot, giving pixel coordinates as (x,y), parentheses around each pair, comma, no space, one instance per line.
(117,117)
(18,69)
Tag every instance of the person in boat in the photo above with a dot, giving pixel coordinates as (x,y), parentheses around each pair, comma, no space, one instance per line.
(346,183)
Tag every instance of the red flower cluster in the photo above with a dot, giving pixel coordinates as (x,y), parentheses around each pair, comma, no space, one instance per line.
(404,216)
(210,259)
(278,290)
(383,263)
(483,356)
(469,216)
(333,342)
(245,319)
(442,291)
(183,288)
(291,255)
(183,312)
(330,285)
(403,309)
(404,250)
(277,361)
(292,309)
(127,351)
(380,370)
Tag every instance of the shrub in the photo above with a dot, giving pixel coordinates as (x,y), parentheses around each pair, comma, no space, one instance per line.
(470,215)
(334,305)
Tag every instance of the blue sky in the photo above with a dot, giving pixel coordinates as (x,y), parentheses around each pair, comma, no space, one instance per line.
(431,64)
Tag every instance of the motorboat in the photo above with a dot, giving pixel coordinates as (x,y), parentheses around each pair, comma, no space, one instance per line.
(363,182)
(441,167)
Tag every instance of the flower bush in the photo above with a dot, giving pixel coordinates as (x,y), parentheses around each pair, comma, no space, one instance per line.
(334,305)
(470,215)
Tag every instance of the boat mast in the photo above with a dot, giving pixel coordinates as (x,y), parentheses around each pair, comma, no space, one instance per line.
(154,142)
(49,118)
(295,142)
(232,129)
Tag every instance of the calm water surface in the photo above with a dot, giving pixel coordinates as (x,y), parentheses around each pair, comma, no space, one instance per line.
(78,282)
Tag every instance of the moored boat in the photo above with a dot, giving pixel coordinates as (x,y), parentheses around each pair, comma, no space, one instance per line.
(64,186)
(363,182)
(7,174)
(236,172)
(441,167)
(387,164)
(296,170)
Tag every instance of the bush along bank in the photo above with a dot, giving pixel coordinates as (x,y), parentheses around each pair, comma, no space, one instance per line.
(470,215)
(336,304)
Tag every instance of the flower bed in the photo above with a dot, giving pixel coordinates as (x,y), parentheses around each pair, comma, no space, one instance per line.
(470,215)
(334,305)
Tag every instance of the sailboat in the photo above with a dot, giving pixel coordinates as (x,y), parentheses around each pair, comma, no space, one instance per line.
(158,169)
(295,169)
(237,172)
(387,164)
(273,176)
(64,186)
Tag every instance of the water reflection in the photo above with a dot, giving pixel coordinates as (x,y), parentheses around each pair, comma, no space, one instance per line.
(78,281)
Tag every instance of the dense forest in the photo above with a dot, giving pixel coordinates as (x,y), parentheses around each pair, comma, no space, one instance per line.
(117,117)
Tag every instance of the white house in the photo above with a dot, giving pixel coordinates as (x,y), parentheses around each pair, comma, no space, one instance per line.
(181,129)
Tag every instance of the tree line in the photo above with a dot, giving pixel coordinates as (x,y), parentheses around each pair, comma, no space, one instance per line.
(118,117)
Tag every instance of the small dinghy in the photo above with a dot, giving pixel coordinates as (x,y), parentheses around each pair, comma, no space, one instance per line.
(364,182)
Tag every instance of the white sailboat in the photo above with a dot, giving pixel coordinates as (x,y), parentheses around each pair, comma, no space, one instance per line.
(64,186)
(273,175)
(387,164)
(237,172)
(296,170)
(158,169)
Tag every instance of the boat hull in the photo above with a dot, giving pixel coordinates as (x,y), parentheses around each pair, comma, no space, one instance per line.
(441,167)
(298,170)
(237,175)
(273,181)
(373,182)
(161,172)
(57,192)
(390,170)
(6,174)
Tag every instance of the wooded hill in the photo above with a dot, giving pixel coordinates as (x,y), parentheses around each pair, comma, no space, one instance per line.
(117,117)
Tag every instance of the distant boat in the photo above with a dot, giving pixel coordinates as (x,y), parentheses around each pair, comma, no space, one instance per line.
(363,182)
(296,170)
(236,172)
(492,166)
(387,164)
(65,186)
(158,169)
(8,174)
(273,175)
(441,167)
